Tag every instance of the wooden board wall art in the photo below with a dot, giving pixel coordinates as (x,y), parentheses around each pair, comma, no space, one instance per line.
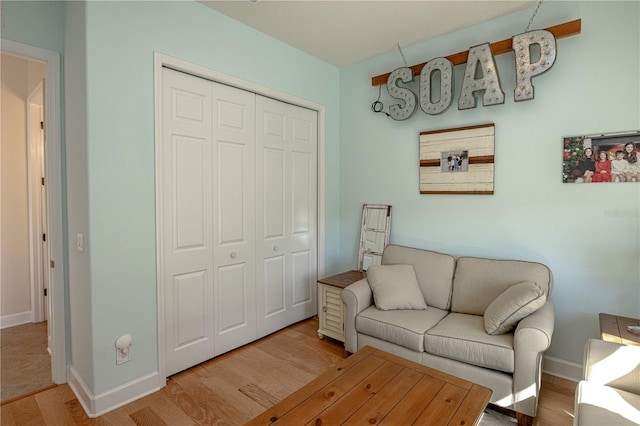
(457,161)
(606,157)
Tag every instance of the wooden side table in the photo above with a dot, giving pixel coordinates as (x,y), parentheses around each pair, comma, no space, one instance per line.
(614,329)
(330,306)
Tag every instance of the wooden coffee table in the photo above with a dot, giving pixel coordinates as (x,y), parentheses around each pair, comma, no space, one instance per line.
(371,387)
(613,328)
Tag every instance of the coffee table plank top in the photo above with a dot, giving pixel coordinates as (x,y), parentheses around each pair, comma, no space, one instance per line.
(613,328)
(384,400)
(374,386)
(473,404)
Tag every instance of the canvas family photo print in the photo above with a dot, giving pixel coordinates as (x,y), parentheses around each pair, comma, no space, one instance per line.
(602,158)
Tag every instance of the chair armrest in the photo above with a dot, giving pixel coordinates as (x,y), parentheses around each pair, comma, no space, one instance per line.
(531,338)
(612,364)
(356,297)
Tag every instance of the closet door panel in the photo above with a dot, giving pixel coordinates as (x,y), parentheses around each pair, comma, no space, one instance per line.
(272,215)
(234,217)
(231,207)
(274,284)
(301,277)
(186,220)
(273,198)
(232,313)
(303,227)
(189,185)
(286,145)
(190,292)
(301,189)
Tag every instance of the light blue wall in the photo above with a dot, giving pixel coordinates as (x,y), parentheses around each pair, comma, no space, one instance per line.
(36,23)
(588,234)
(121,38)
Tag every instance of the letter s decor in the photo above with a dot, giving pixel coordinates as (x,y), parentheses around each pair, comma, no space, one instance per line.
(396,111)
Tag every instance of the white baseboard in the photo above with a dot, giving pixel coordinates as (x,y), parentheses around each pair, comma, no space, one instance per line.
(16,319)
(561,368)
(97,405)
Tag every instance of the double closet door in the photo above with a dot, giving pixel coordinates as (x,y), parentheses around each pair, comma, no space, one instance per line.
(238,231)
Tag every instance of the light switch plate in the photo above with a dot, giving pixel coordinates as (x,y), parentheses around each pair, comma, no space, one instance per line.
(80,241)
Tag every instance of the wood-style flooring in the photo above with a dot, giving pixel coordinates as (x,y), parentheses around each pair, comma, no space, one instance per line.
(233,388)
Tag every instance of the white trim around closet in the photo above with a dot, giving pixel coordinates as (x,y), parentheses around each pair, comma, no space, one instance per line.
(160,61)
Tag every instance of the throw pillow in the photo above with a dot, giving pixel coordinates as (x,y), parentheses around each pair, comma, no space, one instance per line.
(515,303)
(395,287)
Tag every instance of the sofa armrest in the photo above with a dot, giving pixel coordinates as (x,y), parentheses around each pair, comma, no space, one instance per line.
(534,332)
(356,297)
(531,338)
(612,364)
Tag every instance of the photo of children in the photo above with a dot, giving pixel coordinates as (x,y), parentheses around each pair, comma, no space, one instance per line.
(455,161)
(609,158)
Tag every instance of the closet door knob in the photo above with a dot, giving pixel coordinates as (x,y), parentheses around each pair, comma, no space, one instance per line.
(275,247)
(234,255)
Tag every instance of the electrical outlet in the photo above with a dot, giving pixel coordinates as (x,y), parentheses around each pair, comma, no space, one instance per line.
(123,349)
(123,355)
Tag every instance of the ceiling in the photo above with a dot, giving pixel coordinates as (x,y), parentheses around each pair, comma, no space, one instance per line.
(343,32)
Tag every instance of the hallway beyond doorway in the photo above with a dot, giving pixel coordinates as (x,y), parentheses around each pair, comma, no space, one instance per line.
(24,359)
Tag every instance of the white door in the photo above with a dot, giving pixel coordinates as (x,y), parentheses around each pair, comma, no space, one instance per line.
(208,218)
(234,217)
(238,220)
(286,212)
(187,221)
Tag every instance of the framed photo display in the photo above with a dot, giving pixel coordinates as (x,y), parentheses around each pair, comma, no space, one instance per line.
(457,161)
(601,158)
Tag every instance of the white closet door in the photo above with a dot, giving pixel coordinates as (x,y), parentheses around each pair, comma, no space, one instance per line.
(234,217)
(238,229)
(286,212)
(208,219)
(187,222)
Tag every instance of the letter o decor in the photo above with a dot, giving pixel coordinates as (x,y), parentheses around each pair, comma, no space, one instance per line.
(446,86)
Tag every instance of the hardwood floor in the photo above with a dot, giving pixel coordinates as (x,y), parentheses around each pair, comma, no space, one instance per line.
(235,387)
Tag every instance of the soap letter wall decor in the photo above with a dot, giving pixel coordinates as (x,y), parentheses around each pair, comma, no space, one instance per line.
(482,56)
(446,86)
(396,111)
(525,70)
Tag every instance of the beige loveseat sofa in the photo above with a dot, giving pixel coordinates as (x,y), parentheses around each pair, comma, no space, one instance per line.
(609,393)
(451,335)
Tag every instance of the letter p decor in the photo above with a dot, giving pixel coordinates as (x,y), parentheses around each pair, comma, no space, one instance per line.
(525,70)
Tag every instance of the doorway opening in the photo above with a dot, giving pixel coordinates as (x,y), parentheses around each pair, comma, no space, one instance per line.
(31,253)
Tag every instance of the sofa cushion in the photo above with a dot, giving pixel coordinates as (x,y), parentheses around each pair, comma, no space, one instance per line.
(478,282)
(462,337)
(512,305)
(434,271)
(395,287)
(597,405)
(402,327)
